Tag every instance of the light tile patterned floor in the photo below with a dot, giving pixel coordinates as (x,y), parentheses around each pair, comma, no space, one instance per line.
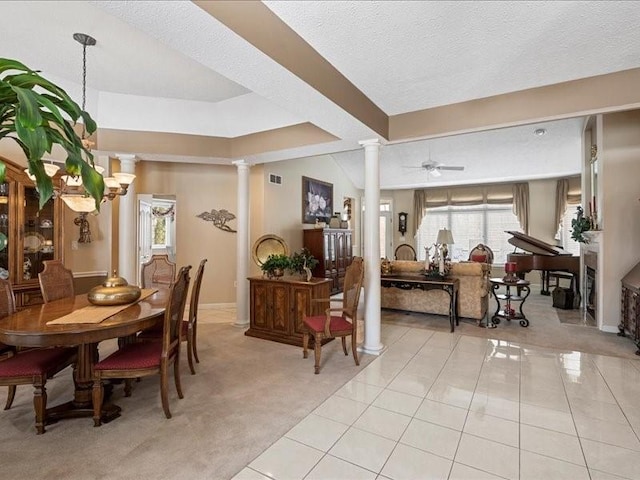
(445,406)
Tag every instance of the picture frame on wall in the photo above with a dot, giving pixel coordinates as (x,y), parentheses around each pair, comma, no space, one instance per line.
(317,200)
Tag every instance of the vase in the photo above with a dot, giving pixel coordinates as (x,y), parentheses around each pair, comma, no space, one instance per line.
(308,273)
(276,273)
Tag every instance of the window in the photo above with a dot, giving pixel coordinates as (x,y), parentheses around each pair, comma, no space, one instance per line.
(162,214)
(564,231)
(469,226)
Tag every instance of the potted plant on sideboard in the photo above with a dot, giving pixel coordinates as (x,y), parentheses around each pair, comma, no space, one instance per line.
(275,265)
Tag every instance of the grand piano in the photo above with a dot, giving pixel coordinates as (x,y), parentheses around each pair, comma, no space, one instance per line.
(544,257)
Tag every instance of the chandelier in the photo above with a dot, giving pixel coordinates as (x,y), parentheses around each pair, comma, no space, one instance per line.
(70,188)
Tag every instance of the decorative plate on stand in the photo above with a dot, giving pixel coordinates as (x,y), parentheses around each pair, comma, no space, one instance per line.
(268,245)
(33,242)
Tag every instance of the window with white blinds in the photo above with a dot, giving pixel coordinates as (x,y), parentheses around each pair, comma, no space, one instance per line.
(469,226)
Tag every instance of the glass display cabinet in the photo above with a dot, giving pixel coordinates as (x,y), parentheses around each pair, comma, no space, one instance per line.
(28,235)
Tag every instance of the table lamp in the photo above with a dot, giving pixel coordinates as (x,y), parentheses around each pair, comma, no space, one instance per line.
(444,238)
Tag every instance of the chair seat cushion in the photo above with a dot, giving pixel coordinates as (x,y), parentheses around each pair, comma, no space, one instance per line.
(39,361)
(132,357)
(316,323)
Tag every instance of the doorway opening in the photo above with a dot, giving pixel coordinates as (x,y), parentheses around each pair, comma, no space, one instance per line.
(156,227)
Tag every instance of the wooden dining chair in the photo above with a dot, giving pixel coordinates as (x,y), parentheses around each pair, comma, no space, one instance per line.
(337,322)
(56,281)
(159,271)
(33,366)
(141,359)
(404,251)
(189,326)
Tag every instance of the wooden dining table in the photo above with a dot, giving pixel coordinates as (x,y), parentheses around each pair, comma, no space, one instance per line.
(28,328)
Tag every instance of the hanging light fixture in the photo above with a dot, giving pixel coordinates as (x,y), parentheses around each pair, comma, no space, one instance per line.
(71,190)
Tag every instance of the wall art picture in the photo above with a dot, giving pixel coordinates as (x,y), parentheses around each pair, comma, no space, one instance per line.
(317,200)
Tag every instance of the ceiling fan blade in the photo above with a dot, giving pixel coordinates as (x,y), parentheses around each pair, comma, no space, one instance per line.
(412,166)
(447,167)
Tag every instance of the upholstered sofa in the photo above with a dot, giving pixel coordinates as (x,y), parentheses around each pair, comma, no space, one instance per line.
(473,296)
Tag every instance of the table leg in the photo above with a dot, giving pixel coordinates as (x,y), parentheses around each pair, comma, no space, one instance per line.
(82,405)
(451,307)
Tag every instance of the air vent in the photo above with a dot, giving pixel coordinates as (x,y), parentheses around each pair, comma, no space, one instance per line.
(275,179)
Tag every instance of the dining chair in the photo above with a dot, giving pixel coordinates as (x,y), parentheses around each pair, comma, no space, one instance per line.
(404,251)
(337,322)
(189,326)
(158,272)
(56,281)
(141,359)
(33,366)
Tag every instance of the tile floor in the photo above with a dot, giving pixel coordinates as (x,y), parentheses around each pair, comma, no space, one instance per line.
(447,406)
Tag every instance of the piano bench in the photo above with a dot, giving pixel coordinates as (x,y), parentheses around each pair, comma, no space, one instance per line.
(561,275)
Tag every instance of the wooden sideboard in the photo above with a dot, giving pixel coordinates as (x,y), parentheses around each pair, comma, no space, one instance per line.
(277,306)
(333,249)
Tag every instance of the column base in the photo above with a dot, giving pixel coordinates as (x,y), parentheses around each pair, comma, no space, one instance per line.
(378,350)
(241,324)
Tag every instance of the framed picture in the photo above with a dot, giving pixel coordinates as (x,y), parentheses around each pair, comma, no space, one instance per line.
(317,200)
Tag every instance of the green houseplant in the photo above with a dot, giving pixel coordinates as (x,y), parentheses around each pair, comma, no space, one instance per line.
(275,265)
(302,259)
(38,114)
(579,225)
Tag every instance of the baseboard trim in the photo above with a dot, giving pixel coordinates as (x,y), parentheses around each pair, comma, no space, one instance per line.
(97,273)
(609,329)
(216,306)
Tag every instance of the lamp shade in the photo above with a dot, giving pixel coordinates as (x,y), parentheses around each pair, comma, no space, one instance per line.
(444,237)
(79,203)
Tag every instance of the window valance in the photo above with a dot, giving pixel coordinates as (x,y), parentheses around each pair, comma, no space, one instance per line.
(469,195)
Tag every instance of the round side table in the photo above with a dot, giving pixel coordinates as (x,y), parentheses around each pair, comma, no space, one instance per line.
(512,295)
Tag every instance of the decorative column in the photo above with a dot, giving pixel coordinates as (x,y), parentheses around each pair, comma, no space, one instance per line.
(127,218)
(372,342)
(242,245)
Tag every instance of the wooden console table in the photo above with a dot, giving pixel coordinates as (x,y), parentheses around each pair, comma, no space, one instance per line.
(411,282)
(277,306)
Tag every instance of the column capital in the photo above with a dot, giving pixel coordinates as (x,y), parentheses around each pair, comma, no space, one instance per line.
(241,164)
(127,162)
(373,142)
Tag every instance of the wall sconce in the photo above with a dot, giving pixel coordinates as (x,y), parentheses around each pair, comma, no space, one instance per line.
(85,231)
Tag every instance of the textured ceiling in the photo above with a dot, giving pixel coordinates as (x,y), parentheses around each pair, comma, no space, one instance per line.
(411,55)
(169,66)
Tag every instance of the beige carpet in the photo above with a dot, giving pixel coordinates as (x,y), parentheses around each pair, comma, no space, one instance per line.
(248,392)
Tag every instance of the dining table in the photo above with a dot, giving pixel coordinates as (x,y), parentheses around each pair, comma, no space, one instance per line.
(32,327)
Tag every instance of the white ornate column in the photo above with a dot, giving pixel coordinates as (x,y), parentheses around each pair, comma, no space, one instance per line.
(372,343)
(127,220)
(242,245)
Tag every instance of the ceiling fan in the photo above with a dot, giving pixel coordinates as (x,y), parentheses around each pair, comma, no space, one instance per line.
(434,168)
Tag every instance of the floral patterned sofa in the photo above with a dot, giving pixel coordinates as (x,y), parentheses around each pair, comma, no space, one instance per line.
(473,296)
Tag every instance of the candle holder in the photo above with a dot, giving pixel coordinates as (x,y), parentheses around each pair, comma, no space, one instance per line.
(510,270)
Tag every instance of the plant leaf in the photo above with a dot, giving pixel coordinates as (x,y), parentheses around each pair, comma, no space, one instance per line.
(28,113)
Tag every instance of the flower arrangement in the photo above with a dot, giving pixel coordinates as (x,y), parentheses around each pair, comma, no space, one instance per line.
(579,225)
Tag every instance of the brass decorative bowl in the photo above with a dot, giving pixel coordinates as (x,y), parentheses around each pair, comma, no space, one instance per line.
(114,291)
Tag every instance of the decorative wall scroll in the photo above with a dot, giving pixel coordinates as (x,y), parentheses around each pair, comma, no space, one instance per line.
(219,218)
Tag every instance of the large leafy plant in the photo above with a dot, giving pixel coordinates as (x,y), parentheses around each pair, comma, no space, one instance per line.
(38,114)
